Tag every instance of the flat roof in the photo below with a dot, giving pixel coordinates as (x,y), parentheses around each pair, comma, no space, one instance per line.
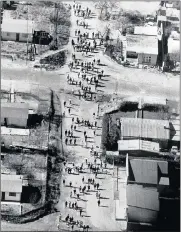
(14,110)
(142,43)
(17,26)
(14,131)
(11,183)
(146,100)
(145,30)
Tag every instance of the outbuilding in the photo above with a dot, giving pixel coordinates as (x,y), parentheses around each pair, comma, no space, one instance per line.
(18,30)
(11,187)
(14,114)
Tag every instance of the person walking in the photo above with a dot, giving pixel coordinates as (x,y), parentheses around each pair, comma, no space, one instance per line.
(99,202)
(65,132)
(69,110)
(66,141)
(75,127)
(74,191)
(78,195)
(81,212)
(71,194)
(64,182)
(70,183)
(83,180)
(66,203)
(69,204)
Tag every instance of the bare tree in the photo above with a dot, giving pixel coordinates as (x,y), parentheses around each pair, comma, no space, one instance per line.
(104,6)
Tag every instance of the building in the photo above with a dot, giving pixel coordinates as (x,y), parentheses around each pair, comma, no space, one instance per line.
(142,48)
(145,30)
(150,190)
(14,114)
(14,137)
(11,187)
(18,30)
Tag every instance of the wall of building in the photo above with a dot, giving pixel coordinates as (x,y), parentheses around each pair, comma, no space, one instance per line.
(12,198)
(23,37)
(12,36)
(136,214)
(142,197)
(142,59)
(8,36)
(17,122)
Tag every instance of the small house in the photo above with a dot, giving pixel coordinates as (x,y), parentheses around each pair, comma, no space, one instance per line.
(14,114)
(148,56)
(144,55)
(17,30)
(11,187)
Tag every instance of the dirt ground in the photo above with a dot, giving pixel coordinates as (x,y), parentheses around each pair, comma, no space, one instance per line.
(128,82)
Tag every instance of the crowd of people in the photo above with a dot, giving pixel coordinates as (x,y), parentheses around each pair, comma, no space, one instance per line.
(87,80)
(86,43)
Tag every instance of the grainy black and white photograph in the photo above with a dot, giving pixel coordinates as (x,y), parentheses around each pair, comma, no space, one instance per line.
(90,116)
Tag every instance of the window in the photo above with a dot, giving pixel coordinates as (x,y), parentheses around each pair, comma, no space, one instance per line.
(147,59)
(24,35)
(12,194)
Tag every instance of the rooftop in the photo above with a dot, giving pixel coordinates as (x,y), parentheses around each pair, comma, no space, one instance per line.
(14,109)
(142,43)
(11,183)
(145,30)
(17,26)
(14,131)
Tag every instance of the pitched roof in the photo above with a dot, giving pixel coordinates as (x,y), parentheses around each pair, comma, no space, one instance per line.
(17,26)
(11,183)
(148,30)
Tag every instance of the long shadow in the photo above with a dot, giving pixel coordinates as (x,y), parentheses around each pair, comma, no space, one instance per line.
(101,86)
(75,104)
(105,79)
(102,64)
(107,75)
(86,216)
(104,206)
(106,198)
(102,189)
(100,91)
(101,178)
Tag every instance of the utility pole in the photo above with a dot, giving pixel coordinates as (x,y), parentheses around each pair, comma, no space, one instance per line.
(56,19)
(117,178)
(27,38)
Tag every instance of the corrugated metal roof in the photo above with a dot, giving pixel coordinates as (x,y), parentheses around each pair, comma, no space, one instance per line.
(14,109)
(11,183)
(145,128)
(148,30)
(17,26)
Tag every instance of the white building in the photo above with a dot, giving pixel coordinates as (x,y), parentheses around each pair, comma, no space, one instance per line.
(17,30)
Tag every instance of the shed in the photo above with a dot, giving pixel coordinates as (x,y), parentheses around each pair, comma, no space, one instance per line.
(11,187)
(18,30)
(14,114)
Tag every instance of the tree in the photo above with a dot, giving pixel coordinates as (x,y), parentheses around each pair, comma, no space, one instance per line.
(103,6)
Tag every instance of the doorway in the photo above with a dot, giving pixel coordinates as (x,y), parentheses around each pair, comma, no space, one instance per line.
(17,37)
